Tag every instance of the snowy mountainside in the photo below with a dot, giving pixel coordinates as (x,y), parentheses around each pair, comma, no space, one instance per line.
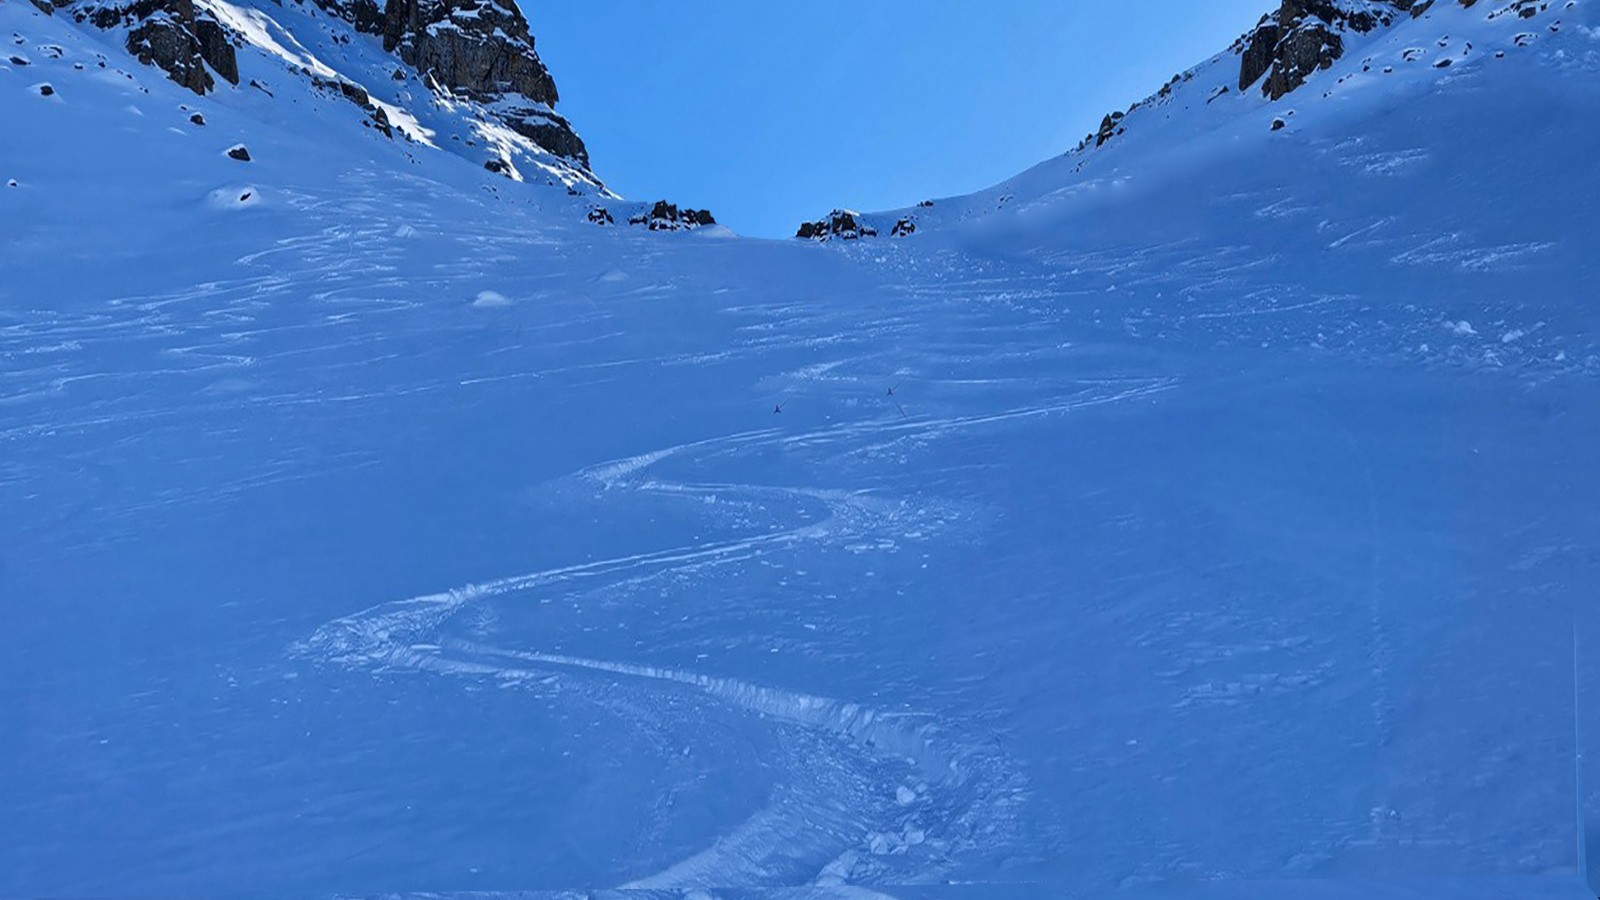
(1397,54)
(1207,520)
(463,78)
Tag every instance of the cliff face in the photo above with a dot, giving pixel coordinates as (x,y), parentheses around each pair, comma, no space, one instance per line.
(186,42)
(479,49)
(1303,36)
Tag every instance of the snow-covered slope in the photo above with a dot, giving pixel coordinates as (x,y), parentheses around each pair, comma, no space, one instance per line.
(1401,58)
(1208,519)
(459,76)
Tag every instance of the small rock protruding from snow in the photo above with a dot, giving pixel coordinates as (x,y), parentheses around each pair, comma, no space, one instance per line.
(233,198)
(197,119)
(239,152)
(905,227)
(599,215)
(45,90)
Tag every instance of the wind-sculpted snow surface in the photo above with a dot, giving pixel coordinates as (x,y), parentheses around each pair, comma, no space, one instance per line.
(1208,524)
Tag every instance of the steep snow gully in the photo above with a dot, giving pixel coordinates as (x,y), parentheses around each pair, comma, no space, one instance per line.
(1205,513)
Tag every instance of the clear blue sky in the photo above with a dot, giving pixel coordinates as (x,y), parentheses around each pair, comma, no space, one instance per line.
(770,111)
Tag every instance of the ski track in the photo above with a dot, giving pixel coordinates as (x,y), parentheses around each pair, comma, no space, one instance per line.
(863,795)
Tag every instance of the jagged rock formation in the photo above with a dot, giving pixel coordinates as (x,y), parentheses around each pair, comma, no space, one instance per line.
(186,43)
(1110,127)
(664,216)
(478,49)
(1304,36)
(355,93)
(844,224)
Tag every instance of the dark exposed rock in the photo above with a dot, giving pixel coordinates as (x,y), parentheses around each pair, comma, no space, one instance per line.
(216,47)
(925,204)
(903,228)
(478,49)
(498,166)
(1303,36)
(1279,124)
(380,121)
(599,215)
(843,224)
(355,93)
(46,90)
(173,35)
(45,6)
(1110,127)
(19,61)
(664,216)
(474,46)
(239,152)
(365,15)
(351,91)
(1522,9)
(197,119)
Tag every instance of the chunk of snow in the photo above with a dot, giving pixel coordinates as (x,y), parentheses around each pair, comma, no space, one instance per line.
(491,300)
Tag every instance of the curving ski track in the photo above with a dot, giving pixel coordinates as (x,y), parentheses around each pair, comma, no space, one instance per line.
(862,795)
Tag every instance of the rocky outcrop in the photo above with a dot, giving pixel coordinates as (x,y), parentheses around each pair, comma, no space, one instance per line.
(664,216)
(1110,127)
(376,117)
(1303,36)
(186,43)
(844,224)
(478,49)
(849,225)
